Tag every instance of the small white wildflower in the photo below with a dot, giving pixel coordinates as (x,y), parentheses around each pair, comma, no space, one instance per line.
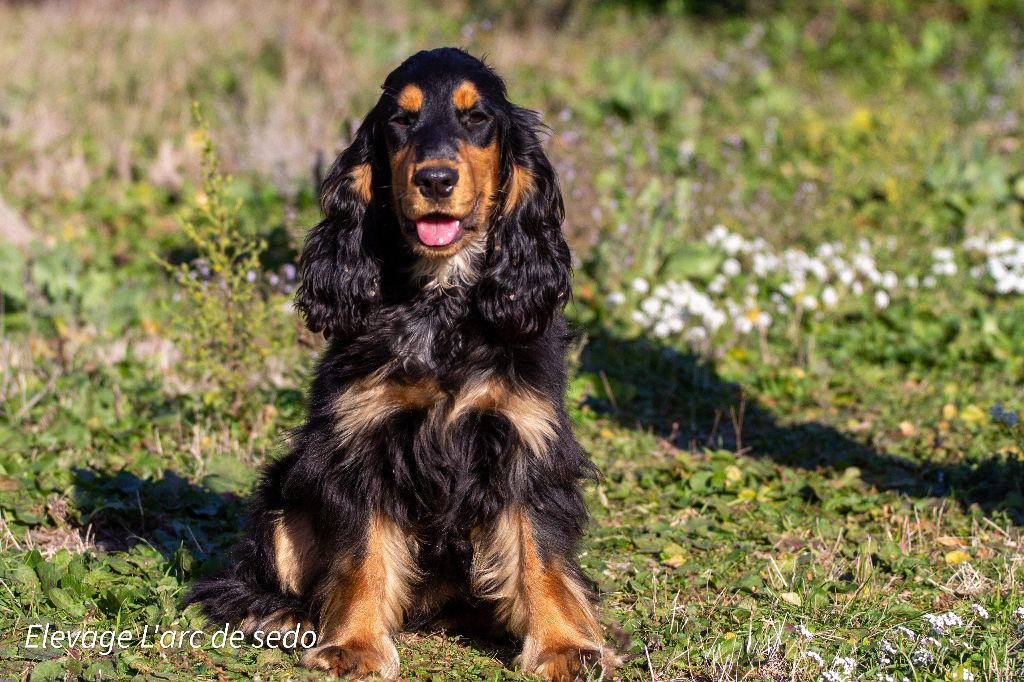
(640,285)
(910,634)
(857,288)
(911,281)
(881,300)
(804,632)
(661,330)
(651,306)
(846,663)
(731,267)
(615,298)
(809,303)
(696,335)
(829,297)
(890,280)
(816,657)
(928,282)
(639,318)
(1019,612)
(922,657)
(942,254)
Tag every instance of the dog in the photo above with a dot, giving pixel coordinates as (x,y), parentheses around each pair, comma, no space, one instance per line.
(436,474)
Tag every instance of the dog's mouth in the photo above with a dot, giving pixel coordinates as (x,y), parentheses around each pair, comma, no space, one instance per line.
(438,230)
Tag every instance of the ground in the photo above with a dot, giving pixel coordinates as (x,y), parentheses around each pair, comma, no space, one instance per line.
(799,273)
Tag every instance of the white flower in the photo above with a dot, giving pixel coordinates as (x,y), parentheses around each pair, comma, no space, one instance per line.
(615,298)
(829,297)
(640,285)
(942,254)
(911,281)
(661,330)
(857,288)
(889,280)
(651,306)
(881,300)
(742,324)
(1019,612)
(731,267)
(980,610)
(809,302)
(696,335)
(816,657)
(928,282)
(639,318)
(763,321)
(804,632)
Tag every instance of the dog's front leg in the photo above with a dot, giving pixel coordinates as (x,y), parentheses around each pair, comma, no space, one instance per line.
(540,595)
(363,603)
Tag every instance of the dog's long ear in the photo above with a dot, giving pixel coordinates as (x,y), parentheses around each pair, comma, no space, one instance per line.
(526,279)
(339,269)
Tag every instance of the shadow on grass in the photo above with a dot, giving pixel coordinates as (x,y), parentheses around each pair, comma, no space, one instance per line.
(681,397)
(168,513)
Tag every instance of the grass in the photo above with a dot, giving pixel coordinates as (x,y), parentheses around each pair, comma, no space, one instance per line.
(799,458)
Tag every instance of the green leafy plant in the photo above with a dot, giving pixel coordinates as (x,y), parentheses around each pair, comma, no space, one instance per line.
(231,323)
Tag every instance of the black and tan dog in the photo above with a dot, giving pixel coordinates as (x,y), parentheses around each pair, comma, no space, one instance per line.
(437,468)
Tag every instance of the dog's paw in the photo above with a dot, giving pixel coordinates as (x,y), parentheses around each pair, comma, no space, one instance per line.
(573,663)
(355,662)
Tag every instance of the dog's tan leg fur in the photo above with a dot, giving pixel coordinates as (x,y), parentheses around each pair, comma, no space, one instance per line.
(539,601)
(364,604)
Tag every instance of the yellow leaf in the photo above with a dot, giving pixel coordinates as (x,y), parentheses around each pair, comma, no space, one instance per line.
(733,473)
(747,494)
(606,434)
(957,556)
(729,635)
(861,120)
(791,598)
(949,411)
(950,541)
(972,414)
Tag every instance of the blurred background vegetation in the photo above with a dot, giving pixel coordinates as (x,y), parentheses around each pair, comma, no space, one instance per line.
(137,399)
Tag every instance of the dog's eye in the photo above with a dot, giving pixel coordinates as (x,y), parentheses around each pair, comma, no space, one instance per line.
(403,120)
(474,118)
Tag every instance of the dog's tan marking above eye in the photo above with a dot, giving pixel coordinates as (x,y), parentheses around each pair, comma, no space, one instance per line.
(362,182)
(465,96)
(530,414)
(519,184)
(410,98)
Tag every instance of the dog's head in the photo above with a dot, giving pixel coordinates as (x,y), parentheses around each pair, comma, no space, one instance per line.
(448,175)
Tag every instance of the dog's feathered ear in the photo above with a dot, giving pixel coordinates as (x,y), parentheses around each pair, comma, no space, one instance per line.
(526,279)
(340,276)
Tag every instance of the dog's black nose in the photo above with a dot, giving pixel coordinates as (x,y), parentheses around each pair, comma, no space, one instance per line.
(436,182)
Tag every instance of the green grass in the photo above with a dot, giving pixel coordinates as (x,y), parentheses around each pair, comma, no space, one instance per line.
(807,487)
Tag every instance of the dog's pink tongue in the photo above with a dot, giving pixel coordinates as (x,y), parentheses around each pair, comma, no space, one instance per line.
(437,232)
